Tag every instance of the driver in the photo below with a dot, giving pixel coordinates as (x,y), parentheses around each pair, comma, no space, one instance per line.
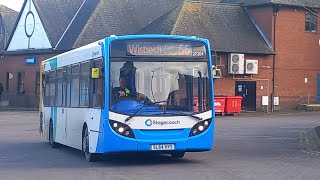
(124,91)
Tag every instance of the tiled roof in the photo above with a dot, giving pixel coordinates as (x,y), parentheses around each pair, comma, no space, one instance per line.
(302,3)
(77,24)
(228,27)
(56,15)
(121,17)
(9,18)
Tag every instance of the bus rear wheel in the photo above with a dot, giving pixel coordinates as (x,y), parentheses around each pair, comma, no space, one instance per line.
(91,157)
(51,141)
(177,155)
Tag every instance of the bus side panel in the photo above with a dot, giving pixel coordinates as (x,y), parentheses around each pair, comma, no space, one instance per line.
(60,124)
(50,114)
(76,118)
(94,128)
(46,120)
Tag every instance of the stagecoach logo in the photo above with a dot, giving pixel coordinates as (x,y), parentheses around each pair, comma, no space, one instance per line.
(148,122)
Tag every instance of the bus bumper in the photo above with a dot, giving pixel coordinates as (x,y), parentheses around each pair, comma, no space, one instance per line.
(143,142)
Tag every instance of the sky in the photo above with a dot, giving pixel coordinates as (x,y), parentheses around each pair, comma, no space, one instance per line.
(13,4)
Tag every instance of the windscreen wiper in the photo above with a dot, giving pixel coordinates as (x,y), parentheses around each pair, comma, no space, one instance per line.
(180,113)
(131,116)
(191,115)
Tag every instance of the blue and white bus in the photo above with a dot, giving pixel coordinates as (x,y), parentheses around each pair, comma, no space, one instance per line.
(137,93)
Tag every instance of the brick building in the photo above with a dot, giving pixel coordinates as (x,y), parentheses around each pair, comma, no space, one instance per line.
(46,28)
(277,42)
(291,27)
(7,20)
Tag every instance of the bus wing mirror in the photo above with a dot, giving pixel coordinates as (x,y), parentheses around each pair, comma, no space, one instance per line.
(95,73)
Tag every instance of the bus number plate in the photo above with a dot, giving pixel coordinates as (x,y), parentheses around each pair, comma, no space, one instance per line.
(158,147)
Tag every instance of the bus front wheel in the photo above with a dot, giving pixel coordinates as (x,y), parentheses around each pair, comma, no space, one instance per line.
(91,157)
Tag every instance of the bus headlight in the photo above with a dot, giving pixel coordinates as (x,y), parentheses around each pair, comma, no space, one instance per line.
(122,129)
(200,127)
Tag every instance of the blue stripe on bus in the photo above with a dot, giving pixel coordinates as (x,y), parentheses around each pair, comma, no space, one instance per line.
(54,121)
(104,113)
(211,79)
(100,143)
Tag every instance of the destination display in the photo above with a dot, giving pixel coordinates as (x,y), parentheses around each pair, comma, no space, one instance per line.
(161,49)
(173,48)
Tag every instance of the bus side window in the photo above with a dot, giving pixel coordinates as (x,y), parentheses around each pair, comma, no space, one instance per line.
(59,81)
(75,85)
(68,94)
(98,85)
(84,84)
(52,88)
(46,90)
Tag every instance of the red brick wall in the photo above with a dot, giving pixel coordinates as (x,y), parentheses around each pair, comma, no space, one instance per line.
(297,54)
(226,85)
(15,64)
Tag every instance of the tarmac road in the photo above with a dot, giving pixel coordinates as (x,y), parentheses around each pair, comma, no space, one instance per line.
(246,147)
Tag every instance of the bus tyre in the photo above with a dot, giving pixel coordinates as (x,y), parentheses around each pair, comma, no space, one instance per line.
(51,141)
(177,155)
(91,157)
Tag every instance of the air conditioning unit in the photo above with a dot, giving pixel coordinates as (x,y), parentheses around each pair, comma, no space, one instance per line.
(217,74)
(251,66)
(236,63)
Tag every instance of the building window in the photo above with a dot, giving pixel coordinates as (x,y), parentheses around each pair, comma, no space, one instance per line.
(21,83)
(216,59)
(311,21)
